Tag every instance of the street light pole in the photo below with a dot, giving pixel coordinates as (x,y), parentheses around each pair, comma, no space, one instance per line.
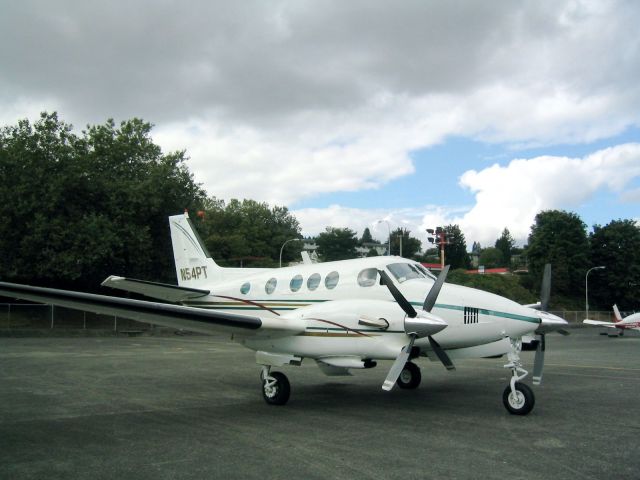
(282,248)
(389,227)
(586,287)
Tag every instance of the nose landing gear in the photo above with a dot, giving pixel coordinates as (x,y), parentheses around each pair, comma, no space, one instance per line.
(517,398)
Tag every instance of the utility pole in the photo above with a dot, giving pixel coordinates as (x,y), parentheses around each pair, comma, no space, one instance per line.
(438,237)
(586,288)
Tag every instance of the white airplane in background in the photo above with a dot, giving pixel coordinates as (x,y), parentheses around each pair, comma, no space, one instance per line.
(631,322)
(344,315)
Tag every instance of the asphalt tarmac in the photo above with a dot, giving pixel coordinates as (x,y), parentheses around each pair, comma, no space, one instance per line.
(191,407)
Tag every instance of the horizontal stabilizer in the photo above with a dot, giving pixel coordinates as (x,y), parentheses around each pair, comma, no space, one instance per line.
(535,306)
(162,291)
(600,323)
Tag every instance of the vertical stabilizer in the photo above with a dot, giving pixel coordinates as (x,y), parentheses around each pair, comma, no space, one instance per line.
(616,313)
(194,265)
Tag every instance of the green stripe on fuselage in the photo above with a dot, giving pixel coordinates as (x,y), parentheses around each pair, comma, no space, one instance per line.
(484,311)
(295,304)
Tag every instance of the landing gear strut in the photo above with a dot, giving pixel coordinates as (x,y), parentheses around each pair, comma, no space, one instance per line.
(275,387)
(517,398)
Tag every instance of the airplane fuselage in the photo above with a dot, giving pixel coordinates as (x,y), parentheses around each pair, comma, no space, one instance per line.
(332,299)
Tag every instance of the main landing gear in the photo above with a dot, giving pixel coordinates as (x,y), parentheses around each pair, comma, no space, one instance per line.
(275,386)
(517,398)
(410,376)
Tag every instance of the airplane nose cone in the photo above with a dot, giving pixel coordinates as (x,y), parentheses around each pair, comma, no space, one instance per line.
(550,323)
(424,324)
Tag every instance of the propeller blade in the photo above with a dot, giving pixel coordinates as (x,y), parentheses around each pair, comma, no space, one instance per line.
(399,298)
(538,363)
(430,301)
(398,365)
(442,355)
(545,288)
(562,331)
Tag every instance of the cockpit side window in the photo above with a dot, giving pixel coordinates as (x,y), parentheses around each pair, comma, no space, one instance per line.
(404,271)
(426,272)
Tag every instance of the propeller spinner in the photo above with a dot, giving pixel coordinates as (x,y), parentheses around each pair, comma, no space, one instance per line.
(417,325)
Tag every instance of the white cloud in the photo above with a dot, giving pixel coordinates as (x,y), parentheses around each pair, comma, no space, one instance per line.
(288,100)
(510,196)
(506,196)
(379,221)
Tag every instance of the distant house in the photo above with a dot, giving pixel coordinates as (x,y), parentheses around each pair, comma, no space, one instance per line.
(366,247)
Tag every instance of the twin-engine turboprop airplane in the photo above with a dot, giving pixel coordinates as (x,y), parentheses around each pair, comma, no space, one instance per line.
(344,315)
(631,322)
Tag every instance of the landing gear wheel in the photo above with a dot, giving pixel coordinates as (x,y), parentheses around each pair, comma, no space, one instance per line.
(410,376)
(276,389)
(522,402)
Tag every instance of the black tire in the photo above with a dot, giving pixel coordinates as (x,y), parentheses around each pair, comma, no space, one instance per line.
(410,377)
(522,403)
(279,393)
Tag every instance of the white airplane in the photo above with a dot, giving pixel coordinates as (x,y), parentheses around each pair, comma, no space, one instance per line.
(344,315)
(631,322)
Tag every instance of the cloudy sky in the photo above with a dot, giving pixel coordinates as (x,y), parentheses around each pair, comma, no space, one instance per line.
(420,113)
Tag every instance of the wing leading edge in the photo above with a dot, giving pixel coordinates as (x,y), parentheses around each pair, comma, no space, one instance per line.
(174,316)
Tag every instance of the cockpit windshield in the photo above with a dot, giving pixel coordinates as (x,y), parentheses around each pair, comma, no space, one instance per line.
(408,271)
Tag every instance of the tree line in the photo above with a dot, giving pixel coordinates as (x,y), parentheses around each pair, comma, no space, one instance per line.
(77,207)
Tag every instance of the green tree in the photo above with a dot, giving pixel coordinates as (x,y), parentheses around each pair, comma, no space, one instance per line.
(372,252)
(410,245)
(455,250)
(337,244)
(491,258)
(366,237)
(82,206)
(508,286)
(249,233)
(559,238)
(505,244)
(617,247)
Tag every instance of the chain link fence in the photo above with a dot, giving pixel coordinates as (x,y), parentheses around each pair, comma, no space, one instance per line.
(20,316)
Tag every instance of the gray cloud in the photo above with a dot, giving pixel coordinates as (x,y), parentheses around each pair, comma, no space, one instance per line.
(262,62)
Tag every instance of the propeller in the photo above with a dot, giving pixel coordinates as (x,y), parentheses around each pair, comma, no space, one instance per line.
(545,293)
(417,325)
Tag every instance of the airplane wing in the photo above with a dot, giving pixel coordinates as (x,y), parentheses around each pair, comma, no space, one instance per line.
(600,323)
(162,291)
(175,316)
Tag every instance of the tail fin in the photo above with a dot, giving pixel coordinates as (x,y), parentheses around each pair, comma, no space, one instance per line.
(616,313)
(194,265)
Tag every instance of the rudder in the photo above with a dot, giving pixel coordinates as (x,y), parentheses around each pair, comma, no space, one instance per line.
(194,265)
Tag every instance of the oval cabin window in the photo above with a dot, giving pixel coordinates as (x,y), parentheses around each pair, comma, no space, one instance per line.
(296,283)
(313,281)
(270,286)
(332,280)
(367,277)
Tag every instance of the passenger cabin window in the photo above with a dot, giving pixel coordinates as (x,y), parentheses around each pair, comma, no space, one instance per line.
(331,280)
(244,289)
(270,285)
(405,271)
(367,277)
(313,281)
(296,283)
